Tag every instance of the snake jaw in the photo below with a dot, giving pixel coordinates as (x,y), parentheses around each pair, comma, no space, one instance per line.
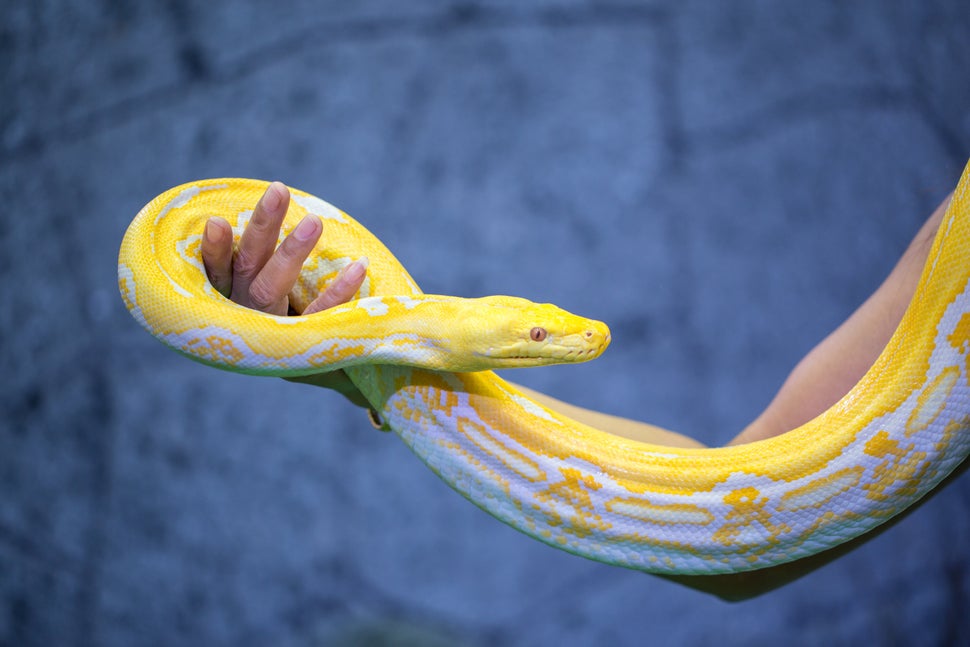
(556,349)
(523,334)
(584,345)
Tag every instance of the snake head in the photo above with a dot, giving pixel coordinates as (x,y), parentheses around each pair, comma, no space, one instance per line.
(509,332)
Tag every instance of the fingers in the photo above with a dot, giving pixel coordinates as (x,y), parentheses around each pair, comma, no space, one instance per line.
(268,291)
(257,244)
(260,275)
(342,289)
(217,254)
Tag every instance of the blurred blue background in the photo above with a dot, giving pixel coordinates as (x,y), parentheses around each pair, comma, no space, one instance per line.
(722,183)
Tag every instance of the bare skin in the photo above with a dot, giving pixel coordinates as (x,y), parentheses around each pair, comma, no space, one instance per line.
(260,275)
(833,367)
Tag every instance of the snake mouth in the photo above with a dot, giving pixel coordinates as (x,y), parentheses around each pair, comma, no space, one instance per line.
(568,357)
(573,348)
(508,332)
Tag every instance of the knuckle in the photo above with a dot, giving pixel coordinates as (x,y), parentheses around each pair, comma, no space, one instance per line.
(261,295)
(326,301)
(245,265)
(260,227)
(290,251)
(216,277)
(341,291)
(261,219)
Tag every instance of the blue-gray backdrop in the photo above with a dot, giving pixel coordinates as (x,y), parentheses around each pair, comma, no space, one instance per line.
(721,182)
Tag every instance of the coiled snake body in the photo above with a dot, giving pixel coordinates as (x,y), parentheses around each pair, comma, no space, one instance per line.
(888,442)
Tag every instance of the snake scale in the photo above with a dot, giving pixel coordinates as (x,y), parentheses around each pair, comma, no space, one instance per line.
(900,431)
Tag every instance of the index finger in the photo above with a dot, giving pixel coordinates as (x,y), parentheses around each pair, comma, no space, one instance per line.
(258,240)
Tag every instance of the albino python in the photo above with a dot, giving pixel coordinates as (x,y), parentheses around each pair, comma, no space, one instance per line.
(888,442)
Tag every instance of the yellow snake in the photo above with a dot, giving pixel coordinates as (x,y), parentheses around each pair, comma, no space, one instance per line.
(889,441)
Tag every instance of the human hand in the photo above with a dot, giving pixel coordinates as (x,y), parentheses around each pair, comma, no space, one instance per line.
(260,275)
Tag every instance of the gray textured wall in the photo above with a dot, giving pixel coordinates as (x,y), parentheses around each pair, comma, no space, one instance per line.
(721,182)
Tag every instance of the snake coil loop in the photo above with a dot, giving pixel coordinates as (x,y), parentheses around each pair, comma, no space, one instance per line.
(889,441)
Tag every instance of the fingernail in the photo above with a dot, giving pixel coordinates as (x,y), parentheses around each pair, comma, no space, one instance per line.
(212,233)
(307,228)
(356,270)
(271,199)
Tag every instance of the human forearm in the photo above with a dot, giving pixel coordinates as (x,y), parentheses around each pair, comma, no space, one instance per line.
(613,424)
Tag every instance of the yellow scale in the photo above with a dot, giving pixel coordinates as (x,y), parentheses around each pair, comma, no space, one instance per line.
(896,435)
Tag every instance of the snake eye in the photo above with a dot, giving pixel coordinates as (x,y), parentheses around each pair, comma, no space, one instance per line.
(537,334)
